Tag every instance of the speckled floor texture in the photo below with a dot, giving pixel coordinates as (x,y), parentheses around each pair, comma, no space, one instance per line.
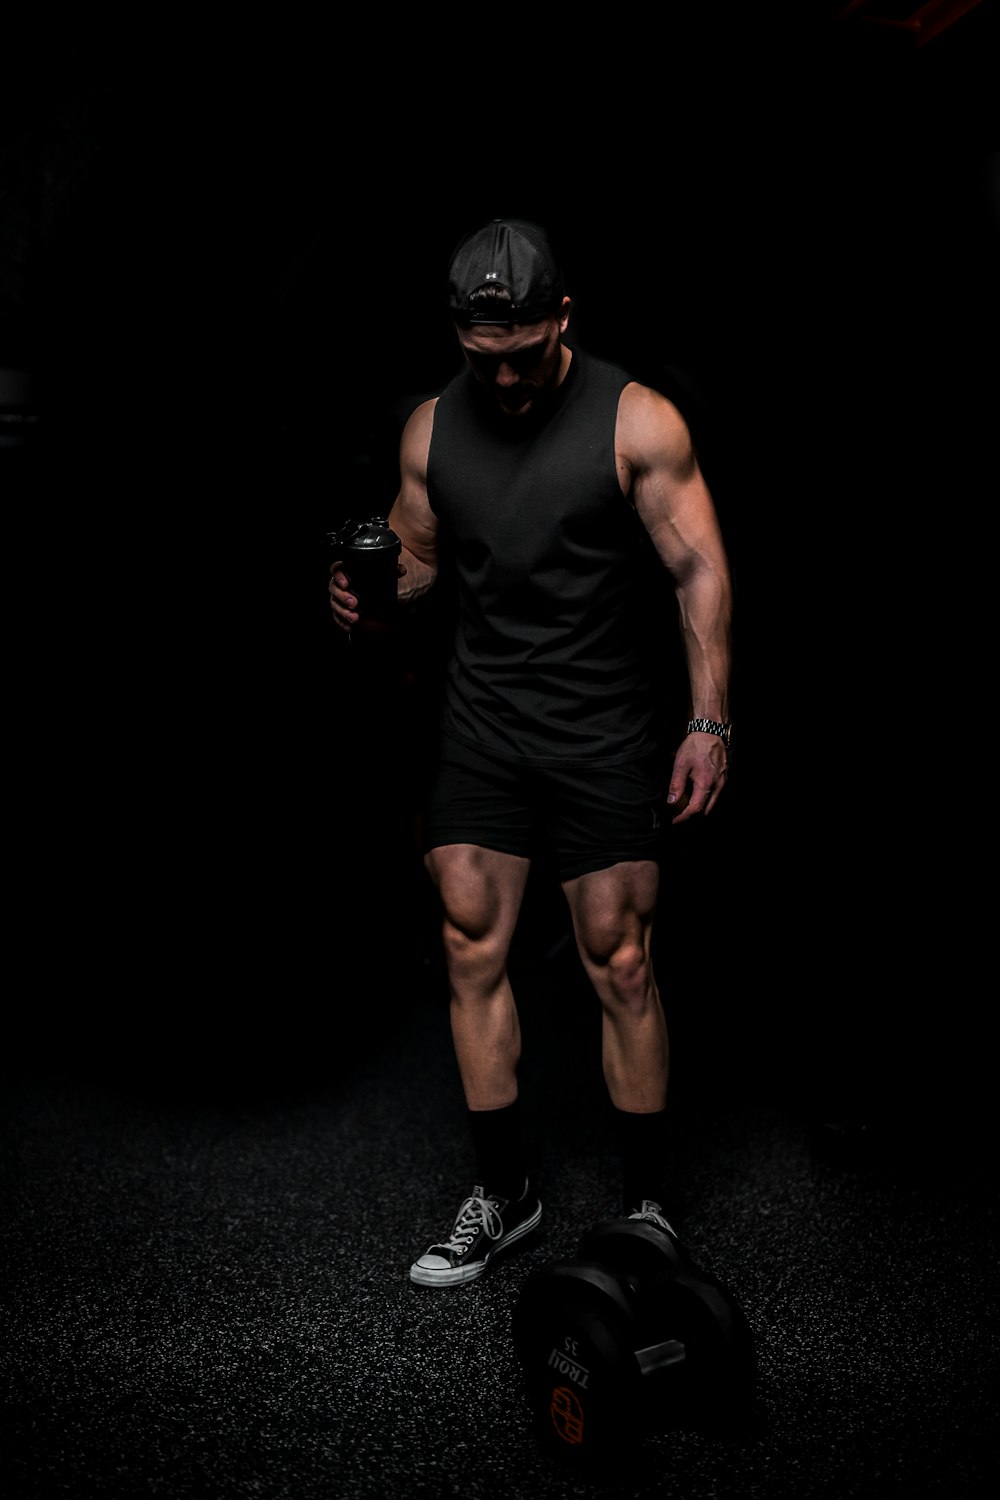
(205,1291)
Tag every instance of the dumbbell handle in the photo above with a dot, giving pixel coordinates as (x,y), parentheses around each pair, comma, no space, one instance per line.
(657,1357)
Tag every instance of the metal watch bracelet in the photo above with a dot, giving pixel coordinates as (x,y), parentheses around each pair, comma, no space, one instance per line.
(711,726)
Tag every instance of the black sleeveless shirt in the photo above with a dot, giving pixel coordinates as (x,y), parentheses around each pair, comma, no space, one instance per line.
(548,663)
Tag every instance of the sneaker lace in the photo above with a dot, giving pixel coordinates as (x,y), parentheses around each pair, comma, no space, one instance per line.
(475,1213)
(652,1213)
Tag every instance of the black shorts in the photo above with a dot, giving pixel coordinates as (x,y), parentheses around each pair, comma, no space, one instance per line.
(586,817)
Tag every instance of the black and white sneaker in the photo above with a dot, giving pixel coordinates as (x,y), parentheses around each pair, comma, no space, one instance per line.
(486,1224)
(652,1213)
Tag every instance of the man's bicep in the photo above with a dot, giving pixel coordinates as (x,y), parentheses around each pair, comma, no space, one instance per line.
(675,506)
(411,516)
(416,527)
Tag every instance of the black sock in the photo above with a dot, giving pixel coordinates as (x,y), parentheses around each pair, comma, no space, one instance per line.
(642,1144)
(499,1149)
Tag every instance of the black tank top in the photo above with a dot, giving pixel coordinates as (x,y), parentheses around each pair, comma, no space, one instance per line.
(548,660)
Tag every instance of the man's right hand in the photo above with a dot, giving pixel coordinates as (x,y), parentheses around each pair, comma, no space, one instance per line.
(342,601)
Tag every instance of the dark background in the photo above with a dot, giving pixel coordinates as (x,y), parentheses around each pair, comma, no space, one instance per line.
(221,262)
(230,1109)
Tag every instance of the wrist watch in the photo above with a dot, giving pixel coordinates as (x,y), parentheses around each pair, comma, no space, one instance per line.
(711,726)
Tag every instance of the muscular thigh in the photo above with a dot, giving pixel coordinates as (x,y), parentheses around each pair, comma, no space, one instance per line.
(614,906)
(481,889)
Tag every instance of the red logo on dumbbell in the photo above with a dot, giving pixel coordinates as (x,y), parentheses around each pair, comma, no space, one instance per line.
(567,1415)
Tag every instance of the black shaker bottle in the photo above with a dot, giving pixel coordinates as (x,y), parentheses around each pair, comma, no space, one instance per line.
(369,551)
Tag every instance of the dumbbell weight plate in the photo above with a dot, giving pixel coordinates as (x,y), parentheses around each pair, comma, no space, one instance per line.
(574,1332)
(633,1247)
(676,1299)
(720,1363)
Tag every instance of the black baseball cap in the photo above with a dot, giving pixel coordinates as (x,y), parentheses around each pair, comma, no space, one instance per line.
(513,253)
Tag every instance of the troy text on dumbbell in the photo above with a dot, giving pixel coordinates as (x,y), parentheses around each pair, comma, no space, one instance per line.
(571,1368)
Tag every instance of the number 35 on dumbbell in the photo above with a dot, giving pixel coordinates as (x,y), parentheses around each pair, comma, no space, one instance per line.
(628,1337)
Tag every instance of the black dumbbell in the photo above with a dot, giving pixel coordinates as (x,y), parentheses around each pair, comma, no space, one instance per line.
(630,1335)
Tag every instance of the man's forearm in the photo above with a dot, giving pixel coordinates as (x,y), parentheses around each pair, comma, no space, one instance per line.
(418,578)
(705,618)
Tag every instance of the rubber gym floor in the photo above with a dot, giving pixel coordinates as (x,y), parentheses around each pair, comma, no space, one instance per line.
(210,1213)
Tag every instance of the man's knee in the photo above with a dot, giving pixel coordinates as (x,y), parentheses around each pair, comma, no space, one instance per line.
(476,951)
(627,974)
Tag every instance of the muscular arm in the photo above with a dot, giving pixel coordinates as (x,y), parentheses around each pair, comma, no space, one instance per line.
(411,518)
(659,471)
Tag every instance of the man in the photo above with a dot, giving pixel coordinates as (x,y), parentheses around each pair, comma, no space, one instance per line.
(532,475)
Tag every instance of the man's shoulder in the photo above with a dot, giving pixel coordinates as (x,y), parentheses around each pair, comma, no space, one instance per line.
(416,435)
(646,403)
(649,426)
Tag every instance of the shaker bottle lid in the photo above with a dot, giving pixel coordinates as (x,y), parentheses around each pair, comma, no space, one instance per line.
(370,535)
